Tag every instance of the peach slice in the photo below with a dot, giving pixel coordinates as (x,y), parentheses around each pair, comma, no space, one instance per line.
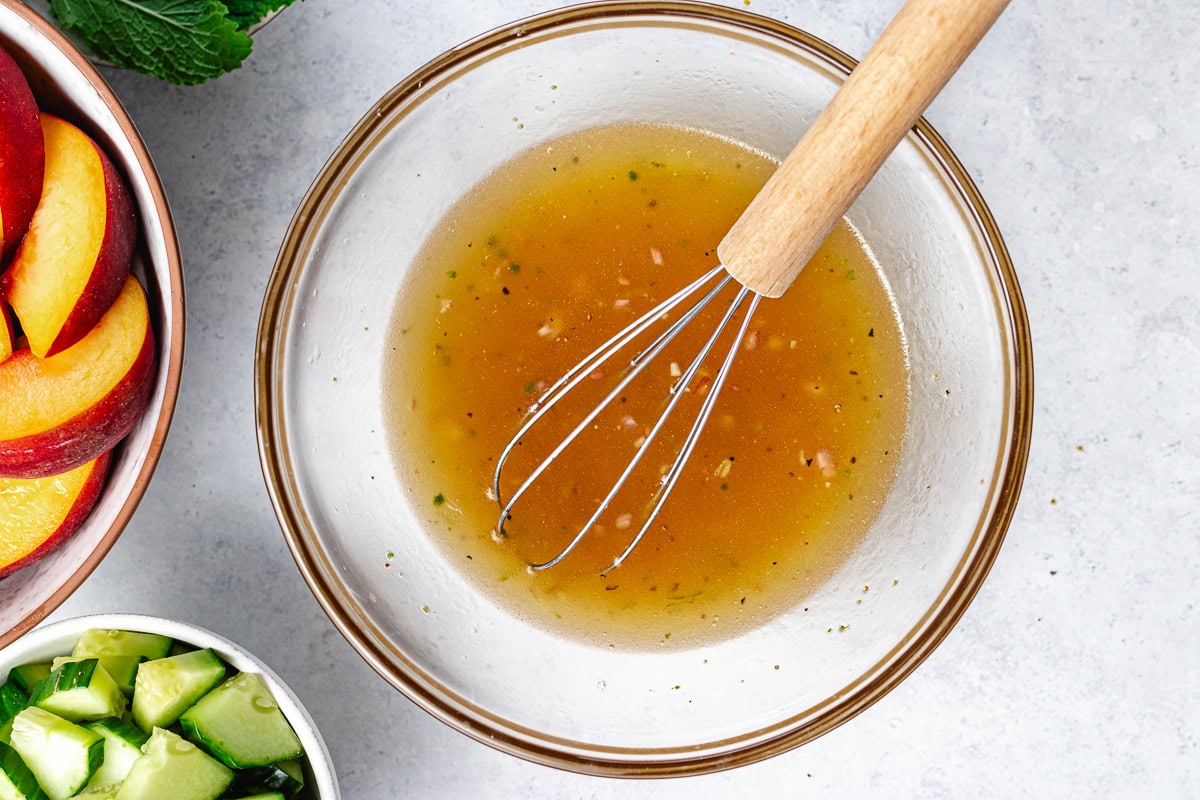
(7,337)
(76,254)
(38,514)
(22,155)
(58,413)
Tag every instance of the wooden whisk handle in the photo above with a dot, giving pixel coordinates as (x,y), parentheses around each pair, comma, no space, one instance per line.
(879,103)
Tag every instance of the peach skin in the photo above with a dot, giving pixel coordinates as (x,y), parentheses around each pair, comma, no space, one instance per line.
(22,155)
(38,514)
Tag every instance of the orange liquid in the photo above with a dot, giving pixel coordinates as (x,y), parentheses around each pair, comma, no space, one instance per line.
(545,261)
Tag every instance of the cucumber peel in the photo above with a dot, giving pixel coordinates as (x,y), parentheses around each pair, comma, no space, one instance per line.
(17,780)
(79,690)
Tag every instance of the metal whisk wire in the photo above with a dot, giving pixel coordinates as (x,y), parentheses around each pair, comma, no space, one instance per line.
(636,365)
(689,443)
(586,367)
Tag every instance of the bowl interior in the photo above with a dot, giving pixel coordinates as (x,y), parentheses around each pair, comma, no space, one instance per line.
(435,636)
(57,639)
(65,83)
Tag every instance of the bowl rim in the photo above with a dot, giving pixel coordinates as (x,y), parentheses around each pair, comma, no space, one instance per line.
(425,690)
(239,657)
(174,299)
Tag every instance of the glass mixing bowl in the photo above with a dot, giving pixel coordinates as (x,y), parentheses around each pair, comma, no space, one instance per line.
(442,641)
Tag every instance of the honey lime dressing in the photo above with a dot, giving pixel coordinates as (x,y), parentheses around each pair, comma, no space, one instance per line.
(543,262)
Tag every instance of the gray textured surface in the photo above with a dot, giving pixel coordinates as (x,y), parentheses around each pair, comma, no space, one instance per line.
(1074,673)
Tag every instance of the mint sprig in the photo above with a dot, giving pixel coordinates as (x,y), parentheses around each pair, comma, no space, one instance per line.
(181,41)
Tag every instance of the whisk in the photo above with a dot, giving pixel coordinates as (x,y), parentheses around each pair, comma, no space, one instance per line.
(779,231)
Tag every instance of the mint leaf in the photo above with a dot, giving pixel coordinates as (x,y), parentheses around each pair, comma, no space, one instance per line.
(182,41)
(247,12)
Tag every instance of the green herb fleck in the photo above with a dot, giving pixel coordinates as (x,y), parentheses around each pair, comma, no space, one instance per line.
(438,500)
(633,176)
(451,274)
(851,276)
(514,268)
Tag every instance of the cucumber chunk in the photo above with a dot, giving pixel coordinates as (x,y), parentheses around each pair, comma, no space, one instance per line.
(240,723)
(28,676)
(122,746)
(80,690)
(166,687)
(286,778)
(59,753)
(12,701)
(100,792)
(121,651)
(102,642)
(174,768)
(17,781)
(122,669)
(294,768)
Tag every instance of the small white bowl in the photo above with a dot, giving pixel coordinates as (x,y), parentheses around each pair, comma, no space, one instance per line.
(57,639)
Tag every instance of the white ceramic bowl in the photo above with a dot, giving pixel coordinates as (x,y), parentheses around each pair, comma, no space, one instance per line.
(57,638)
(442,639)
(65,82)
